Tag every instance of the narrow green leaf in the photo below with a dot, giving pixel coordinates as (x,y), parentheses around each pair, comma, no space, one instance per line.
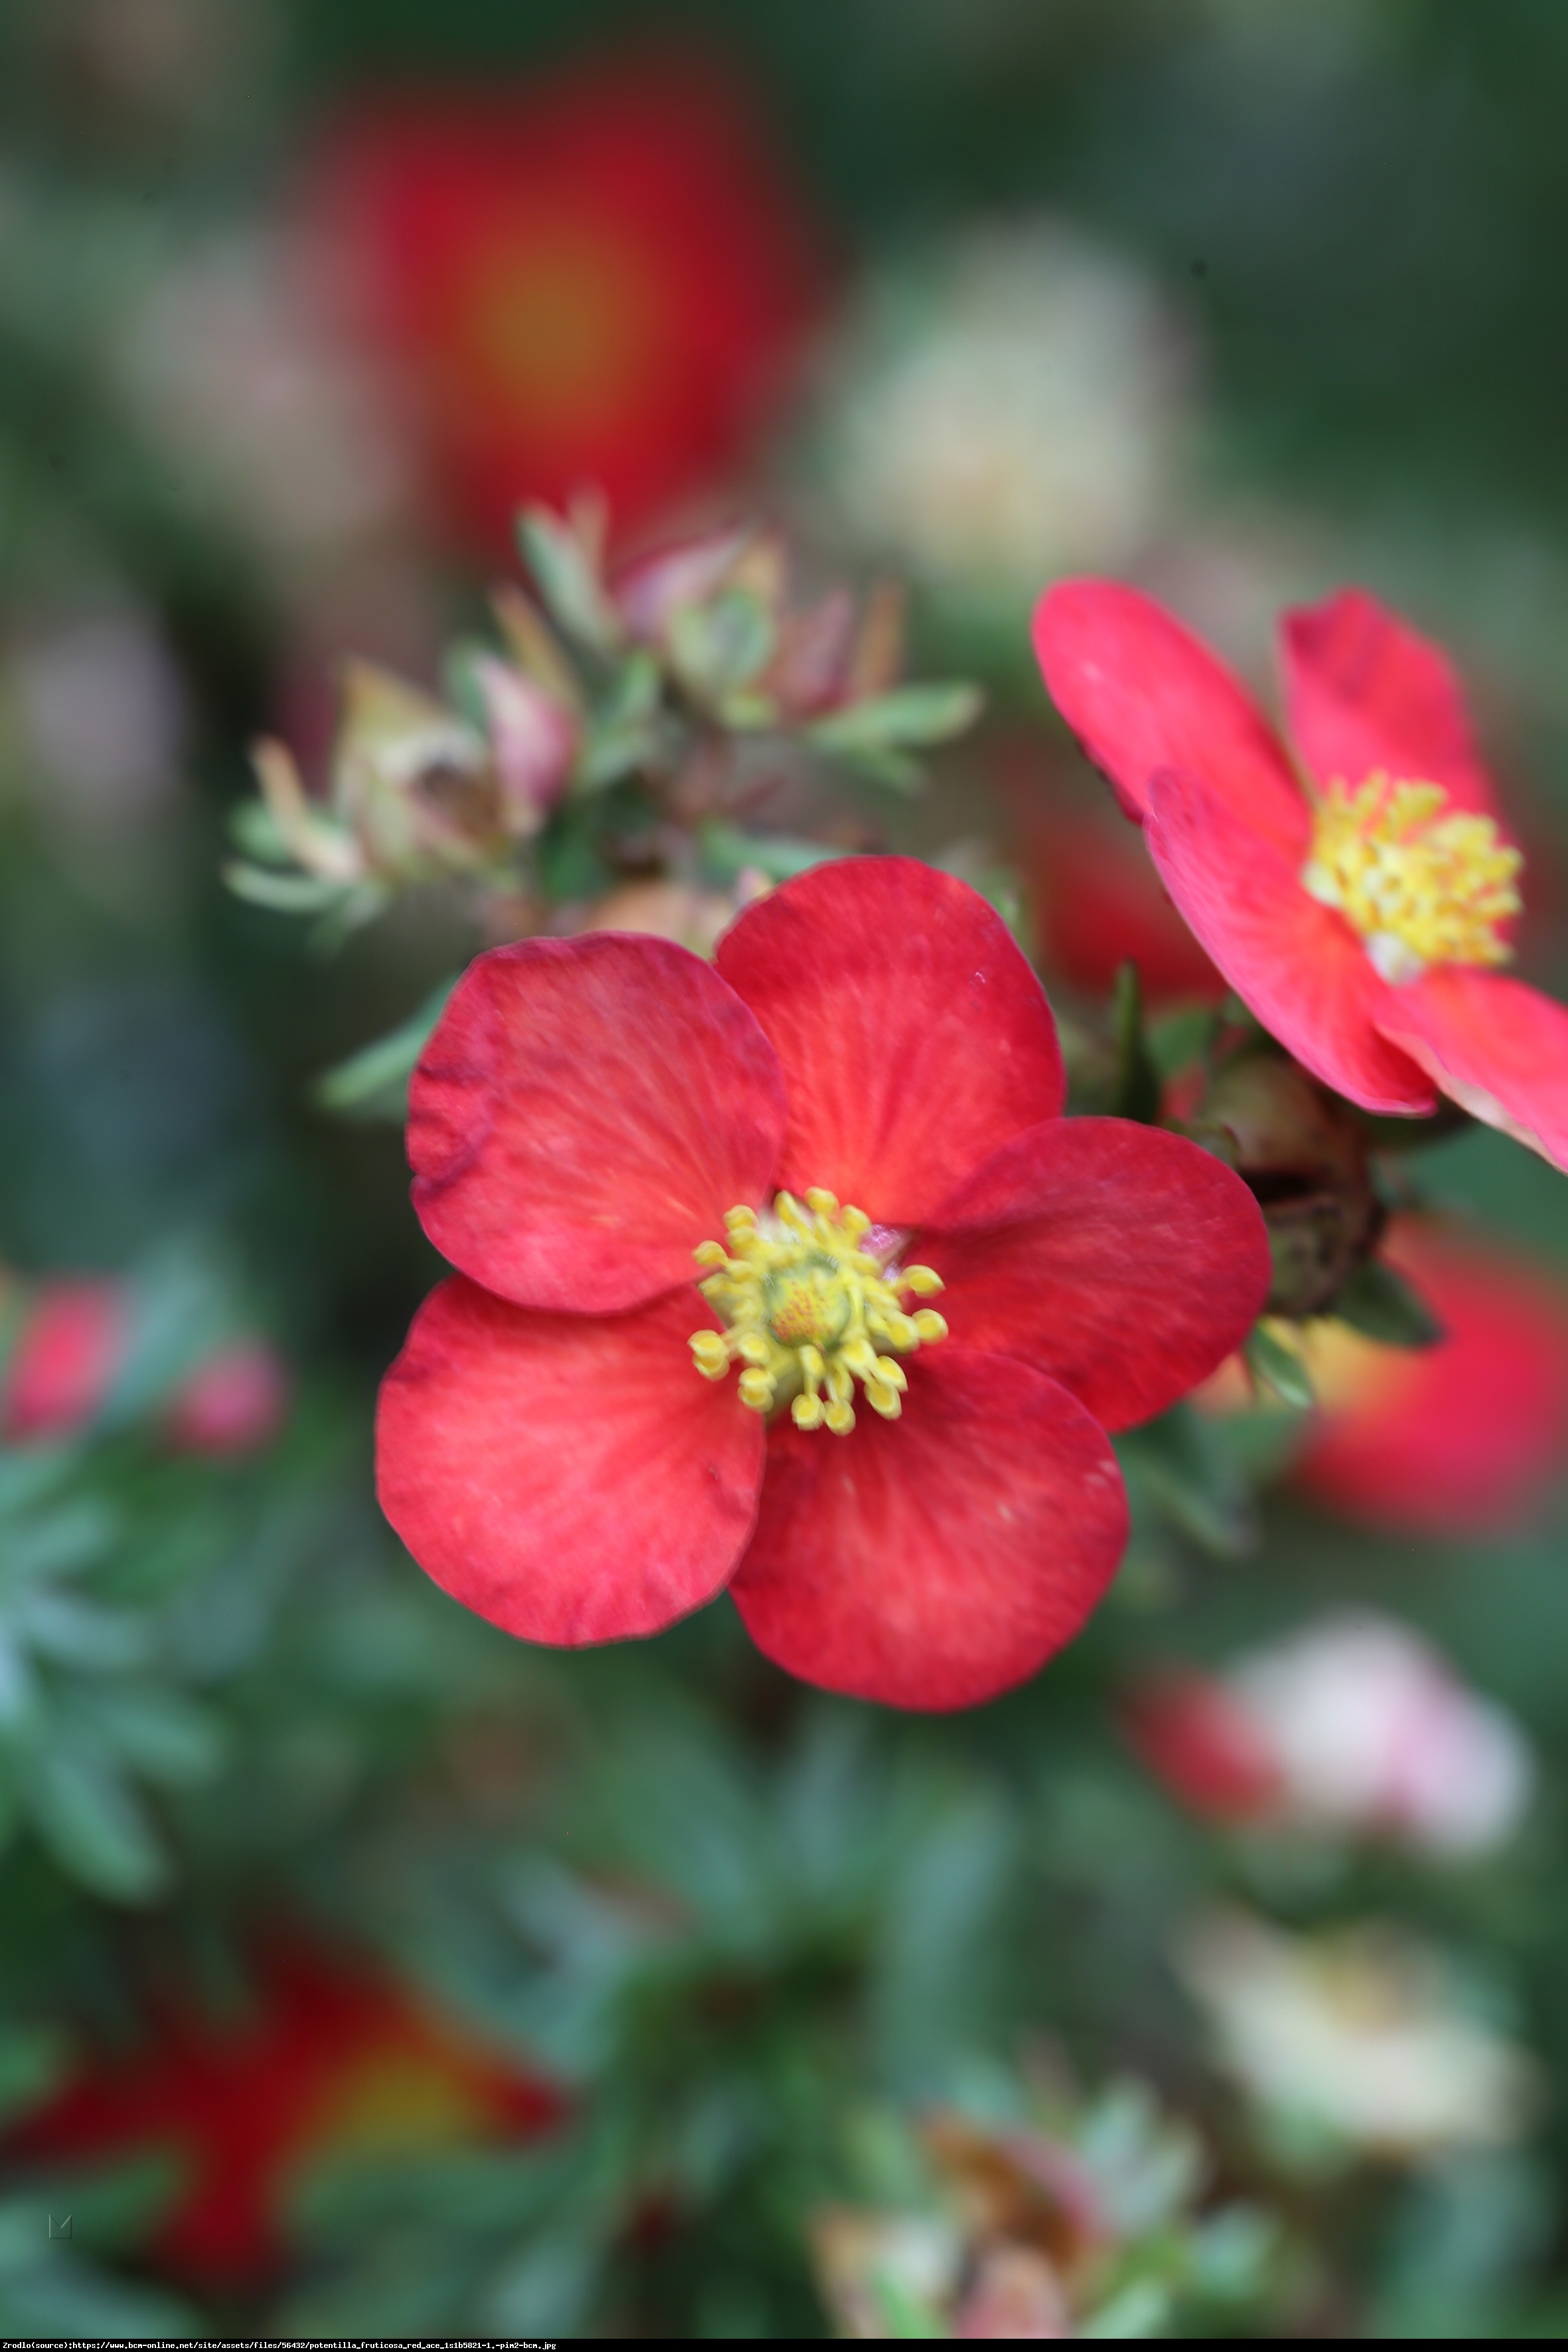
(285,894)
(1137,1079)
(95,1825)
(568,581)
(254,829)
(1185,1468)
(724,645)
(1275,1365)
(1176,1040)
(909,718)
(1380,1302)
(373,1082)
(163,1734)
(728,852)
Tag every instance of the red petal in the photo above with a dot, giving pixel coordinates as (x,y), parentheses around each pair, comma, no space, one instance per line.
(934,1560)
(1140,695)
(913,1036)
(1495,1045)
(1299,965)
(1464,1437)
(585,1114)
(1122,1261)
(1366,692)
(572,1477)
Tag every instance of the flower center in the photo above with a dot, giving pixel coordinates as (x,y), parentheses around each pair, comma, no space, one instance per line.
(1422,882)
(809,1310)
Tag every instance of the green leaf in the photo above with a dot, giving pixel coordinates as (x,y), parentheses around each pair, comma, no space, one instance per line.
(905,2315)
(1182,1463)
(285,894)
(546,2290)
(163,1734)
(624,731)
(1137,1079)
(568,580)
(1176,1040)
(32,2063)
(254,829)
(1275,1365)
(1140,2309)
(725,644)
(373,1082)
(909,718)
(1380,1302)
(727,852)
(96,1827)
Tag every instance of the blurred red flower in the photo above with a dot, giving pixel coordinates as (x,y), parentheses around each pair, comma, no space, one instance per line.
(1361,909)
(597,279)
(563,1448)
(1099,903)
(71,1341)
(332,2058)
(1352,1725)
(1460,1438)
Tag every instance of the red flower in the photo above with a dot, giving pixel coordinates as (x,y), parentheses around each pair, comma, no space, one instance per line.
(1362,917)
(1195,1736)
(73,1339)
(333,2057)
(1098,903)
(70,1345)
(591,1113)
(1459,1439)
(595,279)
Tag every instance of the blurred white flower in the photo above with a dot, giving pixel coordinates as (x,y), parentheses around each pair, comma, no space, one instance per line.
(1015,411)
(1370,1730)
(103,715)
(1357,2035)
(230,364)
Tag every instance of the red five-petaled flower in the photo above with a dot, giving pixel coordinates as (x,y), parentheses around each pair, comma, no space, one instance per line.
(863,1101)
(1362,917)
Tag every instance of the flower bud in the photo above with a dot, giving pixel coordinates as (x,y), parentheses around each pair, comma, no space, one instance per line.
(1304,1155)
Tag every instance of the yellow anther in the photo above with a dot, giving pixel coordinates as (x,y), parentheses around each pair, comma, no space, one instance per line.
(1423,883)
(710,1354)
(808,1312)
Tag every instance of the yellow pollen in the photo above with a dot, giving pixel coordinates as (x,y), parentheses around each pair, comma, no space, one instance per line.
(809,1313)
(1422,882)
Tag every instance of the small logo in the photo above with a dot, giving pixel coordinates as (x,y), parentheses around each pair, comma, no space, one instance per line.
(60,2225)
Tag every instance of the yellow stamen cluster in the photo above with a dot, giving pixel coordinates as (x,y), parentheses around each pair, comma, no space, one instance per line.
(1423,883)
(808,1312)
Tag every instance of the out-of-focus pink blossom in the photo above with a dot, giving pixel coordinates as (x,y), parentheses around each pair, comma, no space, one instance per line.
(1355,1725)
(234,1403)
(71,1342)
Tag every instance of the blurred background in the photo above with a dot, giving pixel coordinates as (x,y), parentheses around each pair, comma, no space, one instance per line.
(363,1971)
